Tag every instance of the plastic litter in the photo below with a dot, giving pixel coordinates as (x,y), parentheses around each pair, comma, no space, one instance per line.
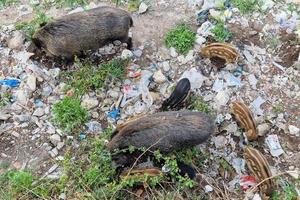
(38,103)
(202,17)
(114,114)
(256,105)
(218,85)
(204,29)
(239,165)
(10,82)
(231,80)
(246,182)
(239,71)
(196,78)
(252,80)
(143,87)
(82,136)
(274,145)
(133,71)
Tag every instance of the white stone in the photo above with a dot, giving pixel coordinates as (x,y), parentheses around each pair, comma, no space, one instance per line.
(31,82)
(21,96)
(208,189)
(293,130)
(126,54)
(4,116)
(143,8)
(200,40)
(219,141)
(159,77)
(189,57)
(53,153)
(89,103)
(196,78)
(16,41)
(263,129)
(221,99)
(39,112)
(55,139)
(166,66)
(60,145)
(173,52)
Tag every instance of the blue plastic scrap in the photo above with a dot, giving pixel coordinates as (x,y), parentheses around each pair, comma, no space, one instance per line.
(202,17)
(10,82)
(114,114)
(82,136)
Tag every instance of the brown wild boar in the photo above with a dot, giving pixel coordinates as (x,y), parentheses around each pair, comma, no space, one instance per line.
(87,30)
(166,131)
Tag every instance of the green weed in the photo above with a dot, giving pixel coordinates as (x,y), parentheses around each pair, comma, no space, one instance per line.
(89,76)
(5,98)
(70,3)
(221,33)
(278,108)
(69,115)
(181,37)
(133,5)
(197,103)
(290,192)
(5,3)
(245,6)
(31,27)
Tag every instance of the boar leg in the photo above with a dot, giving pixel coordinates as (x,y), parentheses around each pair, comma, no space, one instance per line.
(128,41)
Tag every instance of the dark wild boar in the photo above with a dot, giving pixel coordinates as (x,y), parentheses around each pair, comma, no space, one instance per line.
(75,33)
(166,131)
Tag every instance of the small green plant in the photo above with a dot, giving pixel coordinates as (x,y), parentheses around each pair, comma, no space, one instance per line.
(30,27)
(278,108)
(181,37)
(89,76)
(221,33)
(5,3)
(290,192)
(69,114)
(70,3)
(293,7)
(245,6)
(5,98)
(197,103)
(133,5)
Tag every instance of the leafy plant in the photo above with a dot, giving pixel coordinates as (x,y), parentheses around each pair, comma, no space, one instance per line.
(181,37)
(89,76)
(133,5)
(5,3)
(197,103)
(69,114)
(245,6)
(31,27)
(5,98)
(70,3)
(221,34)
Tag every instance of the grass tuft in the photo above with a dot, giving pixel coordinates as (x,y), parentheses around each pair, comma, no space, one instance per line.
(70,3)
(31,27)
(5,3)
(221,34)
(69,115)
(197,103)
(246,6)
(181,38)
(89,76)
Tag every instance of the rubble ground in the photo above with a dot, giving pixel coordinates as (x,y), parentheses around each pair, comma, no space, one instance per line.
(57,118)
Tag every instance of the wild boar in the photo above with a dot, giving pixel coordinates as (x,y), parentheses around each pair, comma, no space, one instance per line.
(75,33)
(164,131)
